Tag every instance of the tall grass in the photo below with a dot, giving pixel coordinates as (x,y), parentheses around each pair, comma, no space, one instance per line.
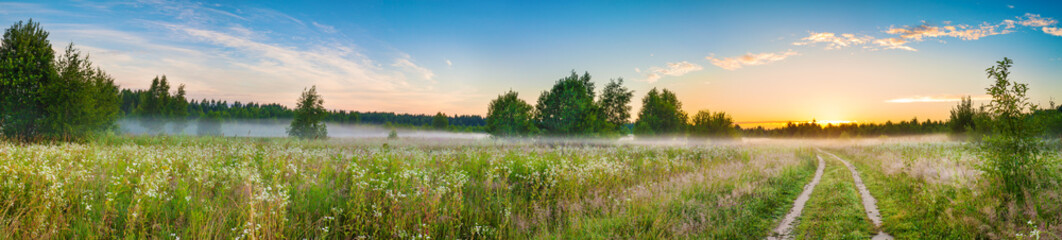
(207,188)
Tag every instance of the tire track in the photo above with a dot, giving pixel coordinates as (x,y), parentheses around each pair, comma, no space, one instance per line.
(786,227)
(869,203)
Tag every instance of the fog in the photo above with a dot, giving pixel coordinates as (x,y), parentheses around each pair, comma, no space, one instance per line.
(278,128)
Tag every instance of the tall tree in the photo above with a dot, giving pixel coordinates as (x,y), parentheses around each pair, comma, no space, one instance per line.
(154,105)
(615,104)
(508,115)
(713,125)
(962,117)
(82,100)
(661,114)
(26,67)
(568,108)
(309,114)
(440,121)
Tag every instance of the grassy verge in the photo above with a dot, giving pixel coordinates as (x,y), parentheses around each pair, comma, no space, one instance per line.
(835,210)
(744,204)
(933,191)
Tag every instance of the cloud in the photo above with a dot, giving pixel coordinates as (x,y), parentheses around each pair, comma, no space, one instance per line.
(1031,20)
(894,43)
(908,34)
(833,41)
(936,99)
(672,69)
(324,28)
(406,64)
(965,32)
(750,59)
(1053,31)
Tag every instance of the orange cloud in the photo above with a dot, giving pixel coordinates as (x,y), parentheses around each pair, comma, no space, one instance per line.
(750,59)
(833,41)
(673,69)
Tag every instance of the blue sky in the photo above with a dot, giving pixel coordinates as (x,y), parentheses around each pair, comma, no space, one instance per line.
(758,60)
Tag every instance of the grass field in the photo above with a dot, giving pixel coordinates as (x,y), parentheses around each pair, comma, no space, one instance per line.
(272,188)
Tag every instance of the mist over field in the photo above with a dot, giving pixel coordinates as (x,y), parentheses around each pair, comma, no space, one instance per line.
(278,128)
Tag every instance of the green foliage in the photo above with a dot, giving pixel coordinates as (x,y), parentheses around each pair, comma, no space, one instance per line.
(309,114)
(717,125)
(508,115)
(661,114)
(962,117)
(568,108)
(440,121)
(26,69)
(45,97)
(615,105)
(1012,154)
(157,106)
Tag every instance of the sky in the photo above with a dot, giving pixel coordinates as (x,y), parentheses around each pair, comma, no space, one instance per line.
(759,61)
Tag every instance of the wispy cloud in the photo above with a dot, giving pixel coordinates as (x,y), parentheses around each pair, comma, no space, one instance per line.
(922,32)
(832,40)
(673,69)
(894,43)
(324,28)
(406,64)
(750,59)
(936,99)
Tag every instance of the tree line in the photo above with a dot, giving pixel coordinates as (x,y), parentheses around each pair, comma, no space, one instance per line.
(48,95)
(158,102)
(814,129)
(571,108)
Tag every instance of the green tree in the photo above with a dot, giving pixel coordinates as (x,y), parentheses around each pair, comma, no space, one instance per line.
(962,117)
(153,108)
(508,115)
(568,108)
(1012,153)
(615,105)
(440,121)
(26,68)
(178,110)
(309,114)
(713,125)
(661,114)
(82,100)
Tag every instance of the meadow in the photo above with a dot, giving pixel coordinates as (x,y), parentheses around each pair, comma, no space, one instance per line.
(278,188)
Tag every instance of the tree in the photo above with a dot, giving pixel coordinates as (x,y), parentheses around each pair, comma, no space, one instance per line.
(49,97)
(661,114)
(713,125)
(615,105)
(154,105)
(508,115)
(26,68)
(962,117)
(440,121)
(82,100)
(309,114)
(568,108)
(1013,159)
(178,110)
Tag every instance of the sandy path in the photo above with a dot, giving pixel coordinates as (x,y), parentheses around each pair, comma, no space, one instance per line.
(786,228)
(869,203)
